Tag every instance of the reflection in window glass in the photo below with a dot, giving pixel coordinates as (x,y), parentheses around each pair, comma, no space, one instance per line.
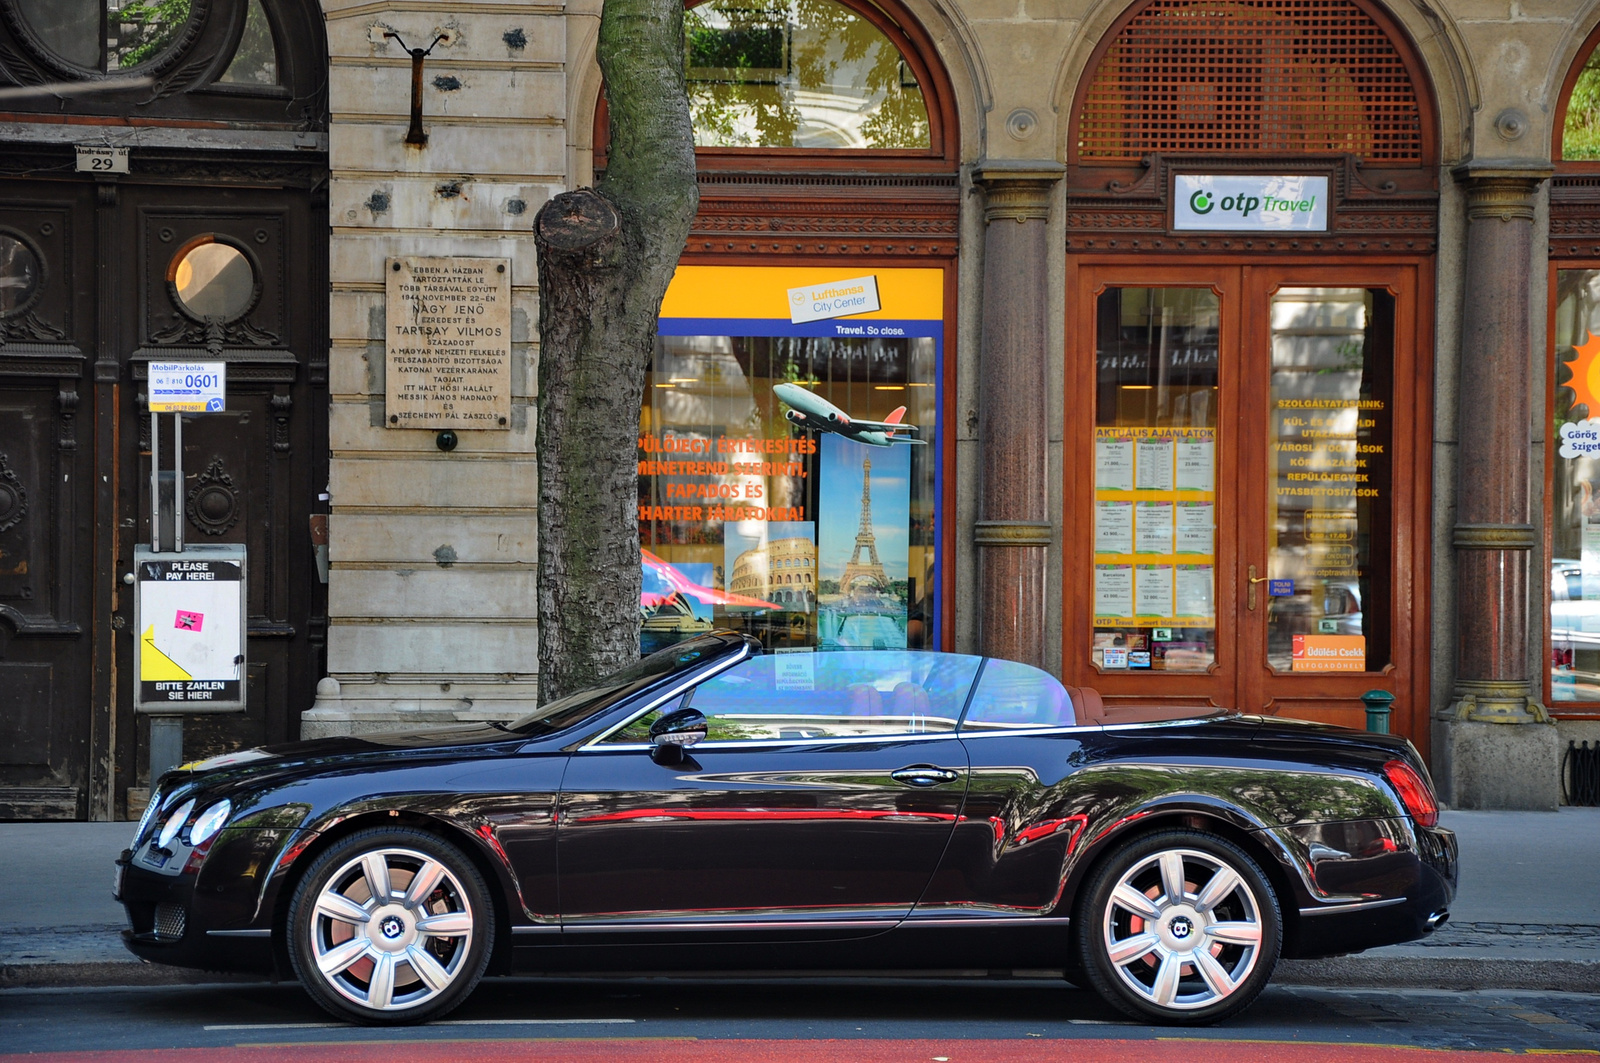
(1155,480)
(828,695)
(802,539)
(256,60)
(214,280)
(19,274)
(1575,491)
(798,74)
(132,31)
(69,28)
(1580,138)
(1013,696)
(1329,484)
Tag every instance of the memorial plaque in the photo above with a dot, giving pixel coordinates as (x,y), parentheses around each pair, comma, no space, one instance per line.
(448,343)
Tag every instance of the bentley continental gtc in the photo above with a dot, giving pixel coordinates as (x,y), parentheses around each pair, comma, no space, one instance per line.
(713,807)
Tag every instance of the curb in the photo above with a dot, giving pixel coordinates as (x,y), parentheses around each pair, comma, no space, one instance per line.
(1345,972)
(1426,972)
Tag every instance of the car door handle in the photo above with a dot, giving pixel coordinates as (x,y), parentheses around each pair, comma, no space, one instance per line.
(924,775)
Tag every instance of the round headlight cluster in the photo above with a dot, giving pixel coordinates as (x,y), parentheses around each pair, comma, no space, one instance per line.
(174,823)
(209,822)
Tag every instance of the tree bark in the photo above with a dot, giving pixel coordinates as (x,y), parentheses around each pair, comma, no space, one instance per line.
(606,256)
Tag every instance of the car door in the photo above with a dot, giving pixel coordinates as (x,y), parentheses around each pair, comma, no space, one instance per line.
(820,802)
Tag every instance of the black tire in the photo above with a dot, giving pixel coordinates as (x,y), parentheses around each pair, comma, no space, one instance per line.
(422,955)
(1191,960)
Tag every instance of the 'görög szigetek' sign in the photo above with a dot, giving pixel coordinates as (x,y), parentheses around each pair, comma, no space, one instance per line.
(1297,203)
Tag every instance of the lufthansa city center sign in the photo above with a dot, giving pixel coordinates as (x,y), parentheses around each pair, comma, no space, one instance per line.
(1295,203)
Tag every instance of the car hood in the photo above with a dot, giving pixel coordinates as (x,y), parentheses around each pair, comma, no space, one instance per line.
(275,761)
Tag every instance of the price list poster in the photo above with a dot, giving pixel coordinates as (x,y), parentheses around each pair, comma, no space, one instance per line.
(1154,540)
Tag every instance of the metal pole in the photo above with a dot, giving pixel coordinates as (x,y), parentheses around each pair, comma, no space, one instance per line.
(177,484)
(155,482)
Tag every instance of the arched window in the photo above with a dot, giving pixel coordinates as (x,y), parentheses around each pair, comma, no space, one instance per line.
(798,74)
(1253,76)
(1578,112)
(242,60)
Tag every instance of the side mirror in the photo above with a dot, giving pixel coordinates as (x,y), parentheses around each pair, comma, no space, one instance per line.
(673,732)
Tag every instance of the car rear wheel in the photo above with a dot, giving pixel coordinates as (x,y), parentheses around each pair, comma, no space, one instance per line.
(390,926)
(1179,927)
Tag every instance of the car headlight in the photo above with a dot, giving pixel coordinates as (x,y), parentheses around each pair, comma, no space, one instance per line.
(209,822)
(174,823)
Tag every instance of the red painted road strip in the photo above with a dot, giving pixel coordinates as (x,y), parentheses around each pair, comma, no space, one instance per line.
(683,1050)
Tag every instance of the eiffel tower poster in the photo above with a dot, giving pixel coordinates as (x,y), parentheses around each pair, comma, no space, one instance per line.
(863,526)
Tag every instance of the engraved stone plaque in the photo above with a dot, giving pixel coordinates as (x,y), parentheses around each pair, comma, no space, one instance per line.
(447,343)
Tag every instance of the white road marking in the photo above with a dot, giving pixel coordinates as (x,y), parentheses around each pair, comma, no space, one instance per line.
(444,1022)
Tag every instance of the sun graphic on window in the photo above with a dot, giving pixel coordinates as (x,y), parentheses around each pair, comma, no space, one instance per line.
(1585,381)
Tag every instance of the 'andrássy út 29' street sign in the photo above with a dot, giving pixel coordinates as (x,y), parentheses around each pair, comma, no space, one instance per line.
(1285,203)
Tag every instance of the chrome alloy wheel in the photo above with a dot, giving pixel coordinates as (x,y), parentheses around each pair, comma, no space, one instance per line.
(391,929)
(1183,930)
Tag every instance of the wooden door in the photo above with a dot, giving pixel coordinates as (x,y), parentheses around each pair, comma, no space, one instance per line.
(1248,487)
(47,495)
(251,474)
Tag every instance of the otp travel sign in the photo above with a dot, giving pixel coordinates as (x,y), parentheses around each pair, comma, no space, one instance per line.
(1293,203)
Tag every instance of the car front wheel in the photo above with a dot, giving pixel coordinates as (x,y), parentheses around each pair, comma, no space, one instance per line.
(390,926)
(1179,927)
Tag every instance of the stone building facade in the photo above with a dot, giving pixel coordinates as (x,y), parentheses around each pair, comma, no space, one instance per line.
(1047,197)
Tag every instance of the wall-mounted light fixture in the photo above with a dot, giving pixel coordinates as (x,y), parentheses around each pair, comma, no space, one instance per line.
(415,135)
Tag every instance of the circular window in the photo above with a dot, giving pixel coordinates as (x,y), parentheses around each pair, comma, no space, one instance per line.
(213,280)
(108,35)
(20,275)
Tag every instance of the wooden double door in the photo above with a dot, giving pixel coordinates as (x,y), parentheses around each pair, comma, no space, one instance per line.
(1248,485)
(97,279)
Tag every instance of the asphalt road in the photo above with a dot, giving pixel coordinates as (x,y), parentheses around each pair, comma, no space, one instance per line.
(790,1021)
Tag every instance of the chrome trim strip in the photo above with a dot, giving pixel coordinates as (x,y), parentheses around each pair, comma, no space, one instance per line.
(990,920)
(787,924)
(238,933)
(744,652)
(1355,906)
(1187,721)
(544,928)
(1031,732)
(760,743)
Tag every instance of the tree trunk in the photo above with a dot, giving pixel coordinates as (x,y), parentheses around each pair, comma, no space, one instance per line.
(606,256)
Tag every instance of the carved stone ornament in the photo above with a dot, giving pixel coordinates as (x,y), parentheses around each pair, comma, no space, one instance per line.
(13,499)
(213,503)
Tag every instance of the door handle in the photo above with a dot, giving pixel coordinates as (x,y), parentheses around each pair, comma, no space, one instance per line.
(1254,579)
(924,775)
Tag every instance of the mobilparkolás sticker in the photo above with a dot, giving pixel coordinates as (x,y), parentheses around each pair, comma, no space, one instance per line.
(1296,202)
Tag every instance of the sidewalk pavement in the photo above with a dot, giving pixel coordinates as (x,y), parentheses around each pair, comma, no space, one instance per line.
(1527,915)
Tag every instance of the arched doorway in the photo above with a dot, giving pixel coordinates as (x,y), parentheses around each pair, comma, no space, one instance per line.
(210,118)
(827,154)
(1252,215)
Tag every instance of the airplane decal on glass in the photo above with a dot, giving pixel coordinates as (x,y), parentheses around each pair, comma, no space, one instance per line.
(816,414)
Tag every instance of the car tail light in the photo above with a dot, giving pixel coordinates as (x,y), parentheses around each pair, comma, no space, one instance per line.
(1414,792)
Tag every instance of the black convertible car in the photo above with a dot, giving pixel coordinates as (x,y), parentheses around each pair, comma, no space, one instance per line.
(712,807)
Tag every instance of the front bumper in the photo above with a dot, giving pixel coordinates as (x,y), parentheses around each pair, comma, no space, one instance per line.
(213,911)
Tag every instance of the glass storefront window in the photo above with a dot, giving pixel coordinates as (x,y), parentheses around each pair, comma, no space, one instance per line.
(798,74)
(1574,500)
(805,539)
(1155,479)
(1329,479)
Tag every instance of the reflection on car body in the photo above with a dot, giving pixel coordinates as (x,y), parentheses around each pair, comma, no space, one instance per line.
(712,807)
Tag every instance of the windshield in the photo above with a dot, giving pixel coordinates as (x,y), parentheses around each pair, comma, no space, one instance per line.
(617,687)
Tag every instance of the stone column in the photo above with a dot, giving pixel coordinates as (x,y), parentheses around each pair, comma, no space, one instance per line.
(1013,527)
(1499,749)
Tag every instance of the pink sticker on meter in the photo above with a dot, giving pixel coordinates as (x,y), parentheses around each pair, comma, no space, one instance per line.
(189,621)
